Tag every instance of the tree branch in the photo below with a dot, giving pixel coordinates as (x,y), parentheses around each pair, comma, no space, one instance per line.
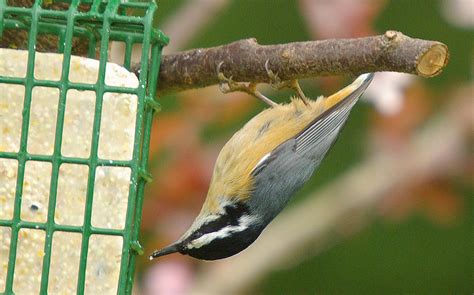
(244,60)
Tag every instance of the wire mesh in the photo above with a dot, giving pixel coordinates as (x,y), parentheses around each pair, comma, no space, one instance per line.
(98,22)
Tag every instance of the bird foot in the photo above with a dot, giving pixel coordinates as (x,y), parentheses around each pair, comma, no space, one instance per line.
(292,84)
(227,85)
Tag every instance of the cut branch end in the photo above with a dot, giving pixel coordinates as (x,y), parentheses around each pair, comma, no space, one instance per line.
(433,61)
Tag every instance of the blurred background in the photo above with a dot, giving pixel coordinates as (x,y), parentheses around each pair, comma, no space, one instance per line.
(391,208)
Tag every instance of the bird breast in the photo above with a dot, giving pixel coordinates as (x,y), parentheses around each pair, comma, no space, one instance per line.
(262,134)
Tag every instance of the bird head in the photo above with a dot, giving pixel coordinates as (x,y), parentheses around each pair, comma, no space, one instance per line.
(217,236)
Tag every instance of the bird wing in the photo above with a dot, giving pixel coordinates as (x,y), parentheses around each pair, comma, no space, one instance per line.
(320,133)
(332,119)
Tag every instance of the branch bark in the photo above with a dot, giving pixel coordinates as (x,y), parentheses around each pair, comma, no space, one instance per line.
(245,60)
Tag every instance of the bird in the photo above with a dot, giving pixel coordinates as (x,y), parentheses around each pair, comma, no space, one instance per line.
(261,167)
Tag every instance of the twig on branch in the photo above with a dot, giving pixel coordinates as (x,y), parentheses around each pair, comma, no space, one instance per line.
(309,225)
(245,60)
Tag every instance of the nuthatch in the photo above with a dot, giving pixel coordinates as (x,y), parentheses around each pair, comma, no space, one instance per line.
(261,167)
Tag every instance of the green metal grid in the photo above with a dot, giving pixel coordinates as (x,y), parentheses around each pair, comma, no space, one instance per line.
(103,22)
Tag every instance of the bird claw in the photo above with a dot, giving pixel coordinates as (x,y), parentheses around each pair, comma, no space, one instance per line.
(274,79)
(276,83)
(232,86)
(223,80)
(227,85)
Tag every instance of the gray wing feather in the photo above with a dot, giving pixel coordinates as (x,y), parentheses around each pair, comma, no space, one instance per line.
(322,131)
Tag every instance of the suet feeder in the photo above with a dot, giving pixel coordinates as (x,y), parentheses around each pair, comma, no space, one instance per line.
(74,142)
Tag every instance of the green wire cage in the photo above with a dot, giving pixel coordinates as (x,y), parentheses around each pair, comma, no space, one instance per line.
(44,248)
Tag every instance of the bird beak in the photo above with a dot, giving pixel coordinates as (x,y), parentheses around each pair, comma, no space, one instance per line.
(173,248)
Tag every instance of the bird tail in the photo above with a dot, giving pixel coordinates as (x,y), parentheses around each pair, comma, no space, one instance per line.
(321,133)
(355,89)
